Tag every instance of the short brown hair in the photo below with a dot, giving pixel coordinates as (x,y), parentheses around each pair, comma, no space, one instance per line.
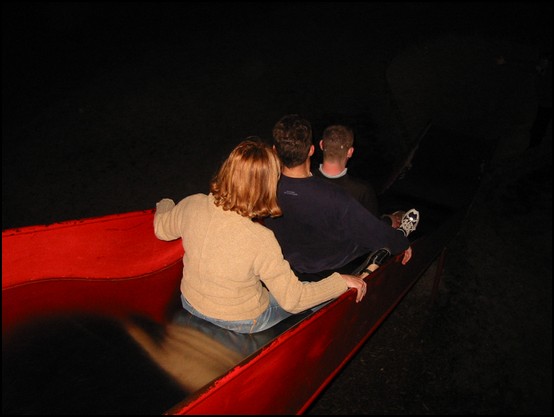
(246,182)
(337,139)
(292,137)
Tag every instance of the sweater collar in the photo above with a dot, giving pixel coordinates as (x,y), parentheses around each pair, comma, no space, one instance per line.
(341,174)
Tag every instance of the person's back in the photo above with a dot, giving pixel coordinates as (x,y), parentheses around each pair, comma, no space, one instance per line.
(322,227)
(337,145)
(234,272)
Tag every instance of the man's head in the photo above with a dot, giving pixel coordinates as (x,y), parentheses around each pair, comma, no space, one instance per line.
(337,143)
(292,137)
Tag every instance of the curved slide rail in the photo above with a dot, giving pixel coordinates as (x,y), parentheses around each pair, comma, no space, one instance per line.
(104,265)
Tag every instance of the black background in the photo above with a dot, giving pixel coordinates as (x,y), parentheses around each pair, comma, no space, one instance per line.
(108,107)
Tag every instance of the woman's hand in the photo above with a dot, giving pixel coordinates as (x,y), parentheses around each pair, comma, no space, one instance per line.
(356,282)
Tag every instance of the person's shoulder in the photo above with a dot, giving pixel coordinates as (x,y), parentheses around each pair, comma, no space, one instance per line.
(335,193)
(317,173)
(195,200)
(326,184)
(313,187)
(198,197)
(261,233)
(357,180)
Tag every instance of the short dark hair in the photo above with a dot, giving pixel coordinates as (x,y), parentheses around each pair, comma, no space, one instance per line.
(292,137)
(337,140)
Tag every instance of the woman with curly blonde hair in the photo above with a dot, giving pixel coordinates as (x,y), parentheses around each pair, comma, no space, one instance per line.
(234,273)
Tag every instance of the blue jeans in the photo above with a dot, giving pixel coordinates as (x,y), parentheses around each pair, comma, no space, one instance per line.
(272,315)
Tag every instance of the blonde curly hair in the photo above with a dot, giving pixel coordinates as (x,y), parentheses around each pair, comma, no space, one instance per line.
(246,182)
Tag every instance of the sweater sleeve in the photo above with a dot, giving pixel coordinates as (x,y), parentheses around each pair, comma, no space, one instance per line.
(371,232)
(293,295)
(165,220)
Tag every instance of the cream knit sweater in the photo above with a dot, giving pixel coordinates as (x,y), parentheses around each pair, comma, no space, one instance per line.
(228,256)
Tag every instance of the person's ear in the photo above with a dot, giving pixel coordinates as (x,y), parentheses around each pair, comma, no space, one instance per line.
(350,152)
(321,144)
(312,150)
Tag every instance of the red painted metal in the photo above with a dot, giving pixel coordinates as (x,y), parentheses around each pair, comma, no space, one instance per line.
(114,265)
(111,265)
(286,376)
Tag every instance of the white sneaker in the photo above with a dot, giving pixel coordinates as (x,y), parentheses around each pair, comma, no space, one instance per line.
(409,221)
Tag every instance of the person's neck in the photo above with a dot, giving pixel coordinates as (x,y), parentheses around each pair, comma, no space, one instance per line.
(300,171)
(332,168)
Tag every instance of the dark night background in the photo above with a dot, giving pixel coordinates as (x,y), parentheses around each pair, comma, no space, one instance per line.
(109,107)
